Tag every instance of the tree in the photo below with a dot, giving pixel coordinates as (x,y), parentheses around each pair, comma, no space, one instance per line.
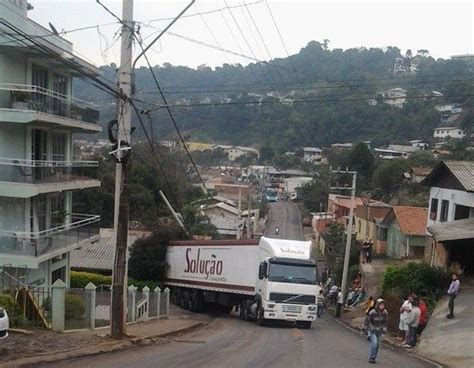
(362,161)
(389,175)
(422,158)
(266,154)
(148,255)
(315,193)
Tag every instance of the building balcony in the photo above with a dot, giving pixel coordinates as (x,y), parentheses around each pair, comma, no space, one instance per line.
(18,248)
(26,104)
(27,178)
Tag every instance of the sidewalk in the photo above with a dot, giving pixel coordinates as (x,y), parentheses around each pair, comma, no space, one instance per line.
(451,342)
(46,346)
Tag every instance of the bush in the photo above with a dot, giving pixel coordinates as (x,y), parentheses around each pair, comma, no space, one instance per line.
(418,277)
(81,279)
(353,271)
(12,308)
(75,307)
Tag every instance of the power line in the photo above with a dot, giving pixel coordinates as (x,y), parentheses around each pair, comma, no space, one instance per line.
(155,156)
(249,103)
(201,13)
(309,88)
(281,38)
(324,84)
(45,51)
(171,116)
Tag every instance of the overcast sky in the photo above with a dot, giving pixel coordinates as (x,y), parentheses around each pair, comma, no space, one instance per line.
(444,28)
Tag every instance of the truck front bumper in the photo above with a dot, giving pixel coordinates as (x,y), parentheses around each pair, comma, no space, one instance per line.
(289,312)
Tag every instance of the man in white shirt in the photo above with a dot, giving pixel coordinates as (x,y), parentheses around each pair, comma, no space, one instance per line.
(404,310)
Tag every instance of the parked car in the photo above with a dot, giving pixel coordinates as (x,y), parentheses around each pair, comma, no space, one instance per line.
(4,323)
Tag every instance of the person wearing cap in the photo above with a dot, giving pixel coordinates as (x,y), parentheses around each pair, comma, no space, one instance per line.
(376,326)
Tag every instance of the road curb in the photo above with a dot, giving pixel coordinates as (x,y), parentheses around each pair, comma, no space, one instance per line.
(104,348)
(388,343)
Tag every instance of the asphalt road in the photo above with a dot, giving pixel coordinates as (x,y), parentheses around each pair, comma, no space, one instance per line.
(230,342)
(286,216)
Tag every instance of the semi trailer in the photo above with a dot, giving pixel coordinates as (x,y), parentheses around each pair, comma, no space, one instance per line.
(270,279)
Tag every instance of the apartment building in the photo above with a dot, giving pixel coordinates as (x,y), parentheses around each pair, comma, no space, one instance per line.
(38,174)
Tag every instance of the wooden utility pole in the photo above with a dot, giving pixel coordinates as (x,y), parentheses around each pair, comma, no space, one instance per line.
(345,270)
(119,275)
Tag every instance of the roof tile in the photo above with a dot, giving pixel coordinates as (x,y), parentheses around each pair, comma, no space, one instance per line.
(412,220)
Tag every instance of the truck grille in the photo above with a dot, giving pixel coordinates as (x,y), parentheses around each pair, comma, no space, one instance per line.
(295,298)
(288,308)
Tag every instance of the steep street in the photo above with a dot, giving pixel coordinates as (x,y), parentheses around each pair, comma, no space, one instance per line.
(230,342)
(286,216)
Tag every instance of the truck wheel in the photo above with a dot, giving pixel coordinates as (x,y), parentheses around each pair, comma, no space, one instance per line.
(260,315)
(304,324)
(184,300)
(196,302)
(244,312)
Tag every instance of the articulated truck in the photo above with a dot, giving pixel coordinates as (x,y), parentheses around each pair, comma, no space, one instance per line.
(270,279)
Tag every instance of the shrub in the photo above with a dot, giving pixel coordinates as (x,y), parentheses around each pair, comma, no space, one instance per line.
(81,279)
(418,277)
(12,308)
(74,307)
(353,271)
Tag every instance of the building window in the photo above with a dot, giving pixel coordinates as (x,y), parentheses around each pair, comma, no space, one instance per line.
(59,141)
(434,209)
(383,233)
(40,76)
(461,212)
(443,216)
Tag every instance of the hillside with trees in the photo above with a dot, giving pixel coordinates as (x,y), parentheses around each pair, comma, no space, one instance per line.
(330,88)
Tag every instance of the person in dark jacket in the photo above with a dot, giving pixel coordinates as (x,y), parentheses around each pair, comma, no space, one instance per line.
(376,326)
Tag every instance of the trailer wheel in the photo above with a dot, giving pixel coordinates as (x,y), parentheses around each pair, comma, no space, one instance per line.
(176,296)
(184,300)
(196,302)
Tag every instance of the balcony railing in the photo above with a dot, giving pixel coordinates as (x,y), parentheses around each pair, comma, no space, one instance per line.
(78,227)
(43,172)
(34,98)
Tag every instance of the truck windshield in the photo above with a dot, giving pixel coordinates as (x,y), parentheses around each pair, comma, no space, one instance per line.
(292,273)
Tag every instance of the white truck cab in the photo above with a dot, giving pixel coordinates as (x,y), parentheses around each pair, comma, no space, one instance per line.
(286,288)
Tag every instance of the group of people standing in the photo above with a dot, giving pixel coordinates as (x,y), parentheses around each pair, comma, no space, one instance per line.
(413,318)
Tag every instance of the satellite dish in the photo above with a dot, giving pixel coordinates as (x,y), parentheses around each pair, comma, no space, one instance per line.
(53,28)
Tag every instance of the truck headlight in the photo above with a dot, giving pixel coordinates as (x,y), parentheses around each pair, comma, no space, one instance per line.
(270,306)
(312,308)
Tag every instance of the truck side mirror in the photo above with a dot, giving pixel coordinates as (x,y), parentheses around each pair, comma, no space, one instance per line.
(262,270)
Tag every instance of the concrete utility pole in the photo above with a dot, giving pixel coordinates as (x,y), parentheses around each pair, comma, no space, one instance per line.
(119,276)
(347,254)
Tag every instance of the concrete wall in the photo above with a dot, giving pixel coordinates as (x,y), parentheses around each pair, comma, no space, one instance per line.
(396,242)
(436,253)
(363,233)
(454,197)
(42,276)
(12,215)
(12,141)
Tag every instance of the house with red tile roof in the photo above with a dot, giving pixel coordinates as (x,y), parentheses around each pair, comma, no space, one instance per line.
(404,229)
